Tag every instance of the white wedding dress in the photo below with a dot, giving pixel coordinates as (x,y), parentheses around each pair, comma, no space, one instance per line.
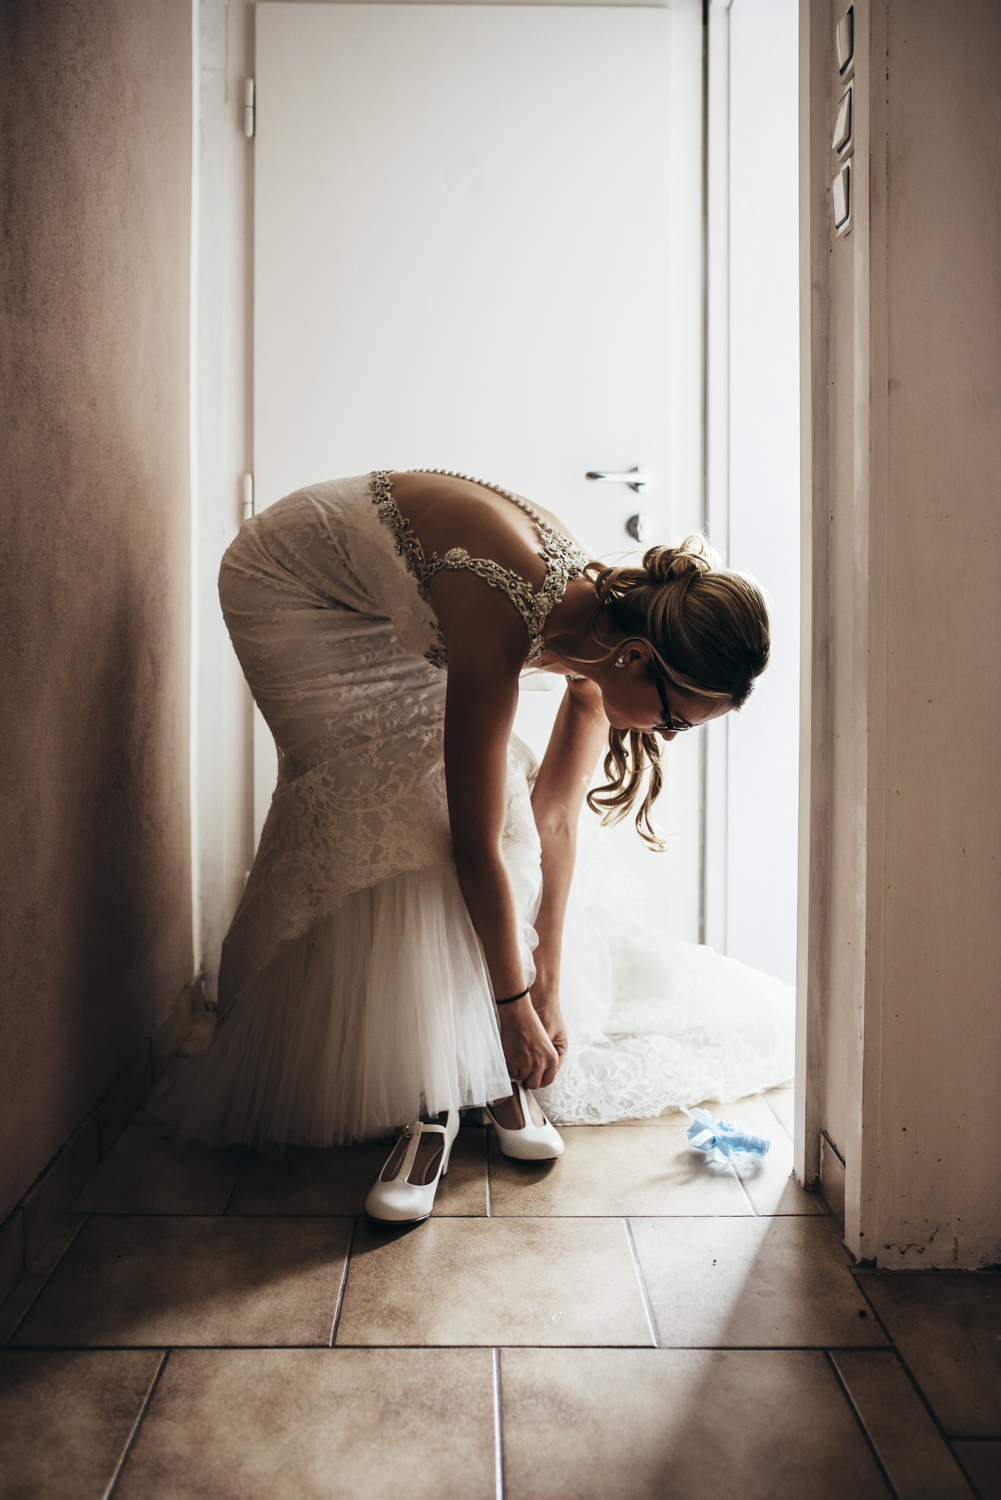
(353,991)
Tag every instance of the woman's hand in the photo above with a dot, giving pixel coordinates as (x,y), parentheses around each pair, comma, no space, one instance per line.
(547,1007)
(531,1056)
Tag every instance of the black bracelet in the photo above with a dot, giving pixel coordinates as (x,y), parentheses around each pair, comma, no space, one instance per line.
(512,998)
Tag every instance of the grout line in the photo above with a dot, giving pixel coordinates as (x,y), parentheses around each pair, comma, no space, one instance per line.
(126,1451)
(141,1046)
(947,1439)
(498,1430)
(344,1282)
(747,1197)
(128,1213)
(282,1348)
(782,1123)
(974,1490)
(860,1288)
(929,1409)
(9,1341)
(856,1413)
(642,1284)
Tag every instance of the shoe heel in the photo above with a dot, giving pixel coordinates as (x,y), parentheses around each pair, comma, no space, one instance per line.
(449,1143)
(448,1155)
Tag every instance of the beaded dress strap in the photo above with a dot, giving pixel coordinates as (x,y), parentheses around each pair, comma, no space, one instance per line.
(563,561)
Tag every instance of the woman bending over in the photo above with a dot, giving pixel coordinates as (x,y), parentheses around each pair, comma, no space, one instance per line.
(397,953)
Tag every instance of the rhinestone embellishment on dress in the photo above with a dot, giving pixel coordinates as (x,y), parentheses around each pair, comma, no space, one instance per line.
(563,561)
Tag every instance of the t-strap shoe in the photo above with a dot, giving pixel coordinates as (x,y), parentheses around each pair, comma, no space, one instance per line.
(532,1142)
(405,1189)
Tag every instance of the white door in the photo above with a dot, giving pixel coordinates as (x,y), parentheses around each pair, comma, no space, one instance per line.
(477,247)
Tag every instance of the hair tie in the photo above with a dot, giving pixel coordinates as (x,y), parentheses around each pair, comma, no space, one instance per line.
(512,998)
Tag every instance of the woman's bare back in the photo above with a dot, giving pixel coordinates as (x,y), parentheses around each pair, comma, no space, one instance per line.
(446,511)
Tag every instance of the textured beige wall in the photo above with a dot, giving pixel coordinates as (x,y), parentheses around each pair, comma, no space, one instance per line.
(904,1008)
(940,1056)
(94,529)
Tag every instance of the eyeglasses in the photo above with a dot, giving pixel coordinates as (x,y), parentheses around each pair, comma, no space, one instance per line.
(669,726)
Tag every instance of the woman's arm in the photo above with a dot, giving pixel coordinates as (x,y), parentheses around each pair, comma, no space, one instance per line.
(578,736)
(486,646)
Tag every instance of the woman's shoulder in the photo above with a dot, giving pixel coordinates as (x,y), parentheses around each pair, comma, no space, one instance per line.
(452,513)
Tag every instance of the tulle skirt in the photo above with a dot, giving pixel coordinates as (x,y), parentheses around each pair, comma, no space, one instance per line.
(381,1012)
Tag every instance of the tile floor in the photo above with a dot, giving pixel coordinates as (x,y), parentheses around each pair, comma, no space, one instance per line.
(631,1323)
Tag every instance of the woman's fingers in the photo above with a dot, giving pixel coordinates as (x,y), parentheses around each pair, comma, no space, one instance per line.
(549,1074)
(529,1053)
(546,1065)
(534,1079)
(532,1067)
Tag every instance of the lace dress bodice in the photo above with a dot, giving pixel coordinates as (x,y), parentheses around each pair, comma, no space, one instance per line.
(326,599)
(563,561)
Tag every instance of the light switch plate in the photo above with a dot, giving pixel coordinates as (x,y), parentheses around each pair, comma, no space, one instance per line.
(841,198)
(845,40)
(843,127)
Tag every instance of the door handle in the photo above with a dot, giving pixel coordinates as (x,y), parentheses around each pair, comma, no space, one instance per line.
(637,479)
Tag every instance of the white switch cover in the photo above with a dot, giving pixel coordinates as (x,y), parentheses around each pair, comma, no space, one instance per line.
(843,128)
(846,38)
(841,192)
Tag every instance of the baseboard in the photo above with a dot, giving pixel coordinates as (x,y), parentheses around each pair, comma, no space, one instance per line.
(832,1177)
(25,1231)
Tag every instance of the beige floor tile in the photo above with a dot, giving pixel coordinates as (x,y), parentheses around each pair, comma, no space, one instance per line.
(494,1281)
(782,1103)
(751,1282)
(140,1281)
(308,1181)
(982,1462)
(637,1167)
(66,1418)
(911,1449)
(337,1181)
(146,1175)
(769,1182)
(312,1424)
(680,1424)
(463,1193)
(947,1326)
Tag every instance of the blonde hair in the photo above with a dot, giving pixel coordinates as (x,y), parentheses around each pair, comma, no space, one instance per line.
(707,629)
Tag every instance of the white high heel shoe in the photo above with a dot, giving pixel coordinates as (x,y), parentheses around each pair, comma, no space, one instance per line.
(405,1188)
(532,1142)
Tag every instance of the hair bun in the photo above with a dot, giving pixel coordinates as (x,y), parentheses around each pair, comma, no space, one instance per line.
(667,564)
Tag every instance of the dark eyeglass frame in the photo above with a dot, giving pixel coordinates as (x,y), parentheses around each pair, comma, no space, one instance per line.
(668,726)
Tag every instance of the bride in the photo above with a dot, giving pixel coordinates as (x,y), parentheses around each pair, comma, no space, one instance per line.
(397,953)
